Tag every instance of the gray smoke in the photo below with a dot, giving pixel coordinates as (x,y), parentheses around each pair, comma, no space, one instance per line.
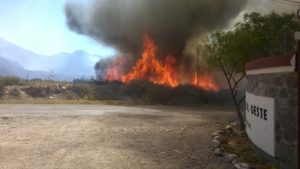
(101,68)
(122,23)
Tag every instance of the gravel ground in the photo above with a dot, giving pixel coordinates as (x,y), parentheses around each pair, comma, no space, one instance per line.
(108,137)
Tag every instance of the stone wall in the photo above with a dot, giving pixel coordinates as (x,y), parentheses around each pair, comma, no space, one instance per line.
(284,88)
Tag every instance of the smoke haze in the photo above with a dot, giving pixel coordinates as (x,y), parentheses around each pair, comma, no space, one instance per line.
(175,25)
(122,23)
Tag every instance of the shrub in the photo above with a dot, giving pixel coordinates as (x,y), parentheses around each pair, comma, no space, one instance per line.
(2,87)
(14,93)
(148,93)
(109,91)
(70,95)
(84,90)
(9,80)
(37,91)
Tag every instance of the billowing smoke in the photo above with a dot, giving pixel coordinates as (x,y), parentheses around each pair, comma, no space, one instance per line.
(122,23)
(111,68)
(172,24)
(102,68)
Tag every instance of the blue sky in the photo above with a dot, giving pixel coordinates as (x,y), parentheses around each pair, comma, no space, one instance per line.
(39,26)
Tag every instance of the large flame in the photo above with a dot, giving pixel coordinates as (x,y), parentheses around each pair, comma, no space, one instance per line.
(150,68)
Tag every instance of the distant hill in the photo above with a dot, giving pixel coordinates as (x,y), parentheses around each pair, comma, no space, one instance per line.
(78,63)
(15,53)
(64,65)
(10,68)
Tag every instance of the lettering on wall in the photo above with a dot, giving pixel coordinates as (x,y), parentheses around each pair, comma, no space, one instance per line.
(260,122)
(257,111)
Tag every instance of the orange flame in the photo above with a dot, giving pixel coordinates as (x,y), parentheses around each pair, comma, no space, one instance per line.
(148,67)
(205,82)
(114,73)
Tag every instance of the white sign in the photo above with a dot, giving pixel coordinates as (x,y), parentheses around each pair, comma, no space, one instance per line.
(297,35)
(260,122)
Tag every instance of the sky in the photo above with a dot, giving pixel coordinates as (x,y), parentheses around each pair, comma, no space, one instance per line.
(39,26)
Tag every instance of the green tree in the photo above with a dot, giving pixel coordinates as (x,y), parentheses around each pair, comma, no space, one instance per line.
(254,37)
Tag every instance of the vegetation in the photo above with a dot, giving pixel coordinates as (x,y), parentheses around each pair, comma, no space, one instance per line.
(8,81)
(62,101)
(237,142)
(1,89)
(84,90)
(89,91)
(82,80)
(145,92)
(254,37)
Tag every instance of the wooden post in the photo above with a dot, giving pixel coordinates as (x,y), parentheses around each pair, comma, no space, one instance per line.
(197,67)
(27,79)
(297,37)
(297,69)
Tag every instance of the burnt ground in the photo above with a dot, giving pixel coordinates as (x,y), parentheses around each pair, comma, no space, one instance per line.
(109,137)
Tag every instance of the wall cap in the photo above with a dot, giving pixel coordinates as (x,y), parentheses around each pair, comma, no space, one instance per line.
(274,64)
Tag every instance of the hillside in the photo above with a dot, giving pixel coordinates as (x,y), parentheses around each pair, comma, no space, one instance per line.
(65,65)
(10,68)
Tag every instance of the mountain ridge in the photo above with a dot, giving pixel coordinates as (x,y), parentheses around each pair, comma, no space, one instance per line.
(68,65)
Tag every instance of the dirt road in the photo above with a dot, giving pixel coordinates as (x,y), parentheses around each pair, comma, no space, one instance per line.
(108,137)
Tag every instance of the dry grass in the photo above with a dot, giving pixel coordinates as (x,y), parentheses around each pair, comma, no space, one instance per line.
(237,142)
(137,92)
(44,83)
(9,80)
(55,101)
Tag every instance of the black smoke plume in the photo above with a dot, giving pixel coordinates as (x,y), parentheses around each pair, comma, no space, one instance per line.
(171,23)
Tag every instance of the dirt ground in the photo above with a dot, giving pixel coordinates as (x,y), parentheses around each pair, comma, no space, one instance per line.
(109,137)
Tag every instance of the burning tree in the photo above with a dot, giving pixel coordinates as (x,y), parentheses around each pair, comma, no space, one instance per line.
(256,36)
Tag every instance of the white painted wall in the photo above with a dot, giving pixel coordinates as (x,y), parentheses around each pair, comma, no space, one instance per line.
(261,129)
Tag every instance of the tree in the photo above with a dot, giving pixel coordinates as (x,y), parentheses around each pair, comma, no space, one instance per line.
(254,37)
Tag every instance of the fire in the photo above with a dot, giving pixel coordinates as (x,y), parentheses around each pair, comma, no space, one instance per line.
(114,73)
(205,82)
(150,68)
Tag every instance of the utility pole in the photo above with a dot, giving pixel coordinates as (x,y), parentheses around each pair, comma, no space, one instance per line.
(197,66)
(27,78)
(297,69)
(284,42)
(297,38)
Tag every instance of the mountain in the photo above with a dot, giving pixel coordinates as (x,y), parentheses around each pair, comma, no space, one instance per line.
(10,68)
(15,53)
(79,63)
(65,65)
